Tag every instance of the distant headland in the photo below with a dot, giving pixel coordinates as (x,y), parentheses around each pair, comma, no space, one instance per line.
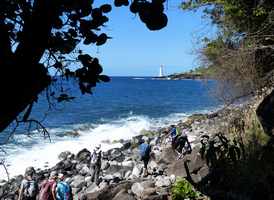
(197,73)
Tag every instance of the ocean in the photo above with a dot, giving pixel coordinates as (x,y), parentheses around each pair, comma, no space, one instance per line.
(116,110)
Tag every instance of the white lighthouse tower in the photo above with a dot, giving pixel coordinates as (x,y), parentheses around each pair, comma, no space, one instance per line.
(161,73)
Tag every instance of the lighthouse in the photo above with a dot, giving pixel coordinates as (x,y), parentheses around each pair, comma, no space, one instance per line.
(161,72)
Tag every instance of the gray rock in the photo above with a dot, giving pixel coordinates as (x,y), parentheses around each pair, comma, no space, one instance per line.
(118,175)
(85,170)
(123,195)
(88,179)
(127,174)
(163,181)
(83,156)
(204,171)
(64,155)
(177,168)
(137,171)
(92,188)
(108,177)
(128,164)
(137,189)
(105,165)
(78,181)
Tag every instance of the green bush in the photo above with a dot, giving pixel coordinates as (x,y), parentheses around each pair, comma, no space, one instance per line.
(182,189)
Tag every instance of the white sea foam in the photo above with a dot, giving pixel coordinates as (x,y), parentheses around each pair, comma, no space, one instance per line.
(27,151)
(33,151)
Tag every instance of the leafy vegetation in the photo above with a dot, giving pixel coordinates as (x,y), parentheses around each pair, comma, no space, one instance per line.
(182,189)
(241,53)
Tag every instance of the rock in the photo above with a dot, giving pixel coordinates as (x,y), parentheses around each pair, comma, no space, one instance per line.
(172,178)
(68,180)
(137,171)
(92,188)
(195,161)
(83,156)
(127,174)
(123,195)
(85,170)
(163,181)
(196,178)
(117,175)
(78,181)
(88,179)
(148,192)
(167,156)
(204,171)
(152,165)
(116,154)
(64,155)
(177,168)
(105,165)
(265,113)
(73,133)
(64,165)
(108,177)
(126,145)
(128,164)
(98,195)
(137,189)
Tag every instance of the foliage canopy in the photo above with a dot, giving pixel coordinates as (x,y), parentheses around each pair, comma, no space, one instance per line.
(38,35)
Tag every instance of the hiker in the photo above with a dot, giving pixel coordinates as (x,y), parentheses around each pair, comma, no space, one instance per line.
(48,187)
(63,189)
(174,133)
(181,145)
(145,149)
(95,164)
(29,187)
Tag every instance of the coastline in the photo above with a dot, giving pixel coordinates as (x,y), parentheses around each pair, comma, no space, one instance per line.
(123,161)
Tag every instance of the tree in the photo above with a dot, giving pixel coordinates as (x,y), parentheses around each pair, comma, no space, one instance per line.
(36,35)
(241,53)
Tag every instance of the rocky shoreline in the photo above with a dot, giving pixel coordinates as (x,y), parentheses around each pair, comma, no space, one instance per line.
(122,171)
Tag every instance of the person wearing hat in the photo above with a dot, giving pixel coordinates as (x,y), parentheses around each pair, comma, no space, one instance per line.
(48,187)
(29,187)
(95,164)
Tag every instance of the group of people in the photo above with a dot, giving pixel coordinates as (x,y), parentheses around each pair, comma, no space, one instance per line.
(55,187)
(179,142)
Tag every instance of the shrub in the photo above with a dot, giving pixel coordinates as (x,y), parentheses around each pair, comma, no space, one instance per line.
(182,189)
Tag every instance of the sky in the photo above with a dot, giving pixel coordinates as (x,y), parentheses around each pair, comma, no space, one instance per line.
(134,50)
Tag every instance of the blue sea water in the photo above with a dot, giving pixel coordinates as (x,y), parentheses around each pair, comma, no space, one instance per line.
(119,109)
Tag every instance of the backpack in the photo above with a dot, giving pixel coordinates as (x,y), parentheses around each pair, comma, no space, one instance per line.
(46,190)
(31,189)
(95,157)
(63,191)
(173,132)
(144,149)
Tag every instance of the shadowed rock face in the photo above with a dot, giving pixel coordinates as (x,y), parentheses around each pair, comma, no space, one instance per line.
(265,113)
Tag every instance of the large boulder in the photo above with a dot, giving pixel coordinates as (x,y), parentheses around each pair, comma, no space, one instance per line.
(195,161)
(83,156)
(137,189)
(163,181)
(123,195)
(78,181)
(167,156)
(64,155)
(177,168)
(265,113)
